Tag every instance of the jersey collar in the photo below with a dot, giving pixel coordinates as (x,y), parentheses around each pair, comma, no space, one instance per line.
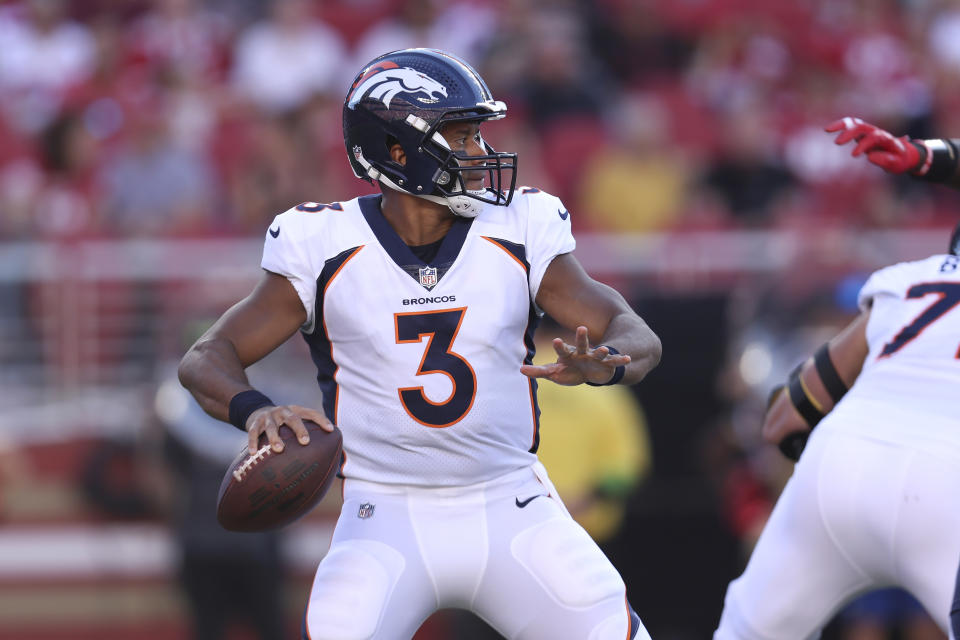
(400,253)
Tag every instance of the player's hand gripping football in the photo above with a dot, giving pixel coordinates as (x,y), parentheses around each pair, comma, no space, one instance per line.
(894,155)
(578,363)
(269,419)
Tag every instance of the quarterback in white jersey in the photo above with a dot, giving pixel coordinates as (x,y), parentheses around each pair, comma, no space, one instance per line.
(419,307)
(872,500)
(468,316)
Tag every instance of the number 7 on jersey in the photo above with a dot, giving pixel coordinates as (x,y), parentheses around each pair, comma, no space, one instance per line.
(949,297)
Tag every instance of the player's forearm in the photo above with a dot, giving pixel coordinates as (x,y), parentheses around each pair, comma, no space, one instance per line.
(953,180)
(630,335)
(939,161)
(212,372)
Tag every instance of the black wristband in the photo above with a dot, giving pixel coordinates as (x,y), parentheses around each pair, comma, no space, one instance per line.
(792,445)
(801,401)
(774,393)
(831,380)
(941,162)
(245,403)
(617,374)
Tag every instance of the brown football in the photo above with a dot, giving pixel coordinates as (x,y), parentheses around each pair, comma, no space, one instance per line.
(269,490)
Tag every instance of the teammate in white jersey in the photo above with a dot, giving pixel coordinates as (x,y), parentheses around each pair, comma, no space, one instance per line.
(419,306)
(872,500)
(935,160)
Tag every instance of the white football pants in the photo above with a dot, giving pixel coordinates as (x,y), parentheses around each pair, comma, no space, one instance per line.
(858,514)
(400,553)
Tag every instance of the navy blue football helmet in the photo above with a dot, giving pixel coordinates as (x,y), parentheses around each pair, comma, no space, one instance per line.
(404,97)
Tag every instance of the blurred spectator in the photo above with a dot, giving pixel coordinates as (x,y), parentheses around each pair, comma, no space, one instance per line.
(944,35)
(184,36)
(881,74)
(562,78)
(283,61)
(638,182)
(747,173)
(66,204)
(636,43)
(228,578)
(504,63)
(114,479)
(43,54)
(55,196)
(462,28)
(268,177)
(562,92)
(275,161)
(150,185)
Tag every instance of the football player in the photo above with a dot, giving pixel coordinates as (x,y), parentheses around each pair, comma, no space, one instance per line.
(871,502)
(934,160)
(419,307)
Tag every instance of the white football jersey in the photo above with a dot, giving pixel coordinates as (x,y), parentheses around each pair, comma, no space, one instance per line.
(907,390)
(420,363)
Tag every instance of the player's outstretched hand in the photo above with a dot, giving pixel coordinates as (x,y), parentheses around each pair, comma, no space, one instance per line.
(578,363)
(892,154)
(268,420)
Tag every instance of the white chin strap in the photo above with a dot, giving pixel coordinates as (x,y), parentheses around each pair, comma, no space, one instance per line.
(461,205)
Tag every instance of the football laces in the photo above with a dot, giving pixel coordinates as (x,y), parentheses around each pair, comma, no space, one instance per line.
(251,461)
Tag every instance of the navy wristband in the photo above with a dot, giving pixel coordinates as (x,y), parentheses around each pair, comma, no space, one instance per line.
(245,403)
(617,374)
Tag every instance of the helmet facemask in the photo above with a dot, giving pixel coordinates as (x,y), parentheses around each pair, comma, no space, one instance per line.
(451,177)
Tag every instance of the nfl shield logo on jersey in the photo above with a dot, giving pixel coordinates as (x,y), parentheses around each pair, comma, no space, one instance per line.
(365,511)
(428,276)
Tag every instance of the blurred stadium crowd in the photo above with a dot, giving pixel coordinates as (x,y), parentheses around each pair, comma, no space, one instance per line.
(186,121)
(185,117)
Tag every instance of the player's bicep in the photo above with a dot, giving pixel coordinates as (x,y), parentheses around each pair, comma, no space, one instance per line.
(262,321)
(849,349)
(572,298)
(847,352)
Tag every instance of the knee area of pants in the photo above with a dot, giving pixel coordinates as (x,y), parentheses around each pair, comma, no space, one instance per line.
(351,590)
(615,628)
(568,563)
(734,625)
(612,627)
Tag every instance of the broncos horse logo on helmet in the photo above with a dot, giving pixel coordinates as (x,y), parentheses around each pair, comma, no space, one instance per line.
(404,97)
(384,81)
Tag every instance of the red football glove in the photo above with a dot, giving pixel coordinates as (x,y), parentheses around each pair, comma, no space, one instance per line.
(896,155)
